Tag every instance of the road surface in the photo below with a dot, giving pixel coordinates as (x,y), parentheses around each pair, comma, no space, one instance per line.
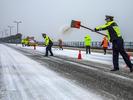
(27,75)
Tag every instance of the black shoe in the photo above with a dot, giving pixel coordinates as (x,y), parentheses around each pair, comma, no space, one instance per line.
(45,55)
(131,69)
(114,70)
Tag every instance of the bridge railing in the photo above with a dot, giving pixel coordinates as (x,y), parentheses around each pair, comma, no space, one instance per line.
(94,44)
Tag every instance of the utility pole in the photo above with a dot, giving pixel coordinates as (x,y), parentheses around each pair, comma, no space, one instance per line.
(10,27)
(2,34)
(17,22)
(6,34)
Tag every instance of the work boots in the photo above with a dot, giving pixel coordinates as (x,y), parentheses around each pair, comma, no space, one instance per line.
(115,69)
(131,69)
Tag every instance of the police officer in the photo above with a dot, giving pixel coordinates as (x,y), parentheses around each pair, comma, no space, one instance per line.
(114,35)
(48,43)
(87,42)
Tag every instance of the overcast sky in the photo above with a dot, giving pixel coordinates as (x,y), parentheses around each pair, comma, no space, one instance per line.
(54,16)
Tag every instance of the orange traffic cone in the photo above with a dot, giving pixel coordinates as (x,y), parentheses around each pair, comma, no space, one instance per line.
(79,55)
(129,56)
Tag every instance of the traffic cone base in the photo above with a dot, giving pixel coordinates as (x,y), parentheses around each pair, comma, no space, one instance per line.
(129,56)
(79,55)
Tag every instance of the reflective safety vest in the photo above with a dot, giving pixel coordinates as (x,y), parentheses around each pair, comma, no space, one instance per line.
(26,41)
(47,40)
(22,41)
(105,43)
(87,40)
(112,30)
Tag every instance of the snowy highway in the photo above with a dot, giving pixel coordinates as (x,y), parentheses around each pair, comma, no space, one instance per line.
(26,75)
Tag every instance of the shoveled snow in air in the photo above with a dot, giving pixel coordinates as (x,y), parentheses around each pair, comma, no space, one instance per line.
(26,79)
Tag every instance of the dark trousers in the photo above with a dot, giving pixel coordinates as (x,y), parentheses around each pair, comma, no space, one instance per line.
(48,48)
(104,48)
(88,49)
(23,44)
(60,47)
(118,47)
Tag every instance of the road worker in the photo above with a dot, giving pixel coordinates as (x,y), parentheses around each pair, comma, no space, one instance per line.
(87,43)
(60,44)
(48,43)
(105,44)
(26,41)
(114,35)
(22,42)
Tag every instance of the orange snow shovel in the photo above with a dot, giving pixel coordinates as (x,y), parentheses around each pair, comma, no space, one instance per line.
(77,24)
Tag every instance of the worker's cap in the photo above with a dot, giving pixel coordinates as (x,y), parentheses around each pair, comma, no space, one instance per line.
(87,36)
(109,17)
(43,33)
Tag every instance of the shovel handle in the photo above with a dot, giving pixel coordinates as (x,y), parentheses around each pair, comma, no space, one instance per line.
(93,30)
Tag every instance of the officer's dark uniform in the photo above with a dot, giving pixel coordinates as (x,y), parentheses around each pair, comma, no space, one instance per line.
(114,35)
(48,44)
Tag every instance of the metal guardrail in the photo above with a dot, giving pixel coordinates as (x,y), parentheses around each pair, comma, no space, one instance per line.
(94,44)
(79,44)
(128,45)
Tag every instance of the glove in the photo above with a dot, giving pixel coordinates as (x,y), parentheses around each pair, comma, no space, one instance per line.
(44,45)
(95,30)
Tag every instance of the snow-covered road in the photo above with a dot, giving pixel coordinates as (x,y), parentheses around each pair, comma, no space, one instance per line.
(26,79)
(94,56)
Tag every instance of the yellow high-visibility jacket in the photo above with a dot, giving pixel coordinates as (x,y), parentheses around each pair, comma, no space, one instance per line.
(112,30)
(47,40)
(87,40)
